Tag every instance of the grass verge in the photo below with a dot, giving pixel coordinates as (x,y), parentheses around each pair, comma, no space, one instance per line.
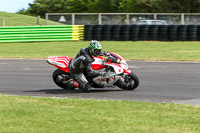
(14,19)
(141,50)
(49,115)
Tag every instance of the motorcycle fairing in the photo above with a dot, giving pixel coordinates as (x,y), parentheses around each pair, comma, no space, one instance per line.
(98,63)
(118,56)
(108,81)
(116,67)
(61,62)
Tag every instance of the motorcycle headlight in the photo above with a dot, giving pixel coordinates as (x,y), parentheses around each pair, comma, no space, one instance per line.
(124,64)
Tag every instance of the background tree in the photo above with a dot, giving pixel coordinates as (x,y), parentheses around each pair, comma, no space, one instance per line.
(40,7)
(169,6)
(129,6)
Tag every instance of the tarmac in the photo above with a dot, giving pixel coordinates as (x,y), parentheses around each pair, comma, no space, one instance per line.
(160,82)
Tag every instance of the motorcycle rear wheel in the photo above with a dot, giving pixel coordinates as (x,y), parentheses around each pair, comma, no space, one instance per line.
(61,78)
(130,78)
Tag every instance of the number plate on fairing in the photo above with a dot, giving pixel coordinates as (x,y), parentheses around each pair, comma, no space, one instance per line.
(107,81)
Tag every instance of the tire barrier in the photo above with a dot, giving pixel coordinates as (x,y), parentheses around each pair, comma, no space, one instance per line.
(182,32)
(116,33)
(173,32)
(101,32)
(125,32)
(154,33)
(192,32)
(97,32)
(163,33)
(134,32)
(106,32)
(42,33)
(142,32)
(88,31)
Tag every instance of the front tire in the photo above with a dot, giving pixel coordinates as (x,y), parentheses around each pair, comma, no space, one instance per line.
(62,79)
(131,80)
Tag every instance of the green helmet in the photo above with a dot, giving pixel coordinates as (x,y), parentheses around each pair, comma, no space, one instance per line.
(95,48)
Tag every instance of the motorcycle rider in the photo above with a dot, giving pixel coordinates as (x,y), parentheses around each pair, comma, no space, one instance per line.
(83,62)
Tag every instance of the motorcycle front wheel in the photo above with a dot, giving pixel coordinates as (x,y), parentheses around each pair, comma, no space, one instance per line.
(62,79)
(131,80)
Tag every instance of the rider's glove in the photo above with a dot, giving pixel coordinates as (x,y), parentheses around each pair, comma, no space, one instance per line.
(104,53)
(107,53)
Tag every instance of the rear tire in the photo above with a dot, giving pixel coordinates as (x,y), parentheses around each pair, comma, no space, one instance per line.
(61,78)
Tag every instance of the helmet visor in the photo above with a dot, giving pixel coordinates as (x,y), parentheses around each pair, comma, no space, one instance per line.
(97,52)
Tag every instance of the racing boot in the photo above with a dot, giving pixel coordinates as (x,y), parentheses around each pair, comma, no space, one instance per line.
(83,83)
(87,87)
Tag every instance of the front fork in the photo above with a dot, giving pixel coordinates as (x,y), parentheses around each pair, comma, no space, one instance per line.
(122,80)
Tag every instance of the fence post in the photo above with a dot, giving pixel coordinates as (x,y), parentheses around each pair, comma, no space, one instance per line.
(46,17)
(127,18)
(73,19)
(99,18)
(182,19)
(2,21)
(155,16)
(38,20)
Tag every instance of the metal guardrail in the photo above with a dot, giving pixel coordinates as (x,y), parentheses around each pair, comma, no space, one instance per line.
(41,33)
(121,18)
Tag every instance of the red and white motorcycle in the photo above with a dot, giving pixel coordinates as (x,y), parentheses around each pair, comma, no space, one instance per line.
(116,68)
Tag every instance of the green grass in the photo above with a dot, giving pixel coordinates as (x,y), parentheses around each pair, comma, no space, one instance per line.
(141,50)
(13,19)
(48,115)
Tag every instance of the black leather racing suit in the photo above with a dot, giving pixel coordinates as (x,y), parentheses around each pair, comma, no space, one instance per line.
(82,62)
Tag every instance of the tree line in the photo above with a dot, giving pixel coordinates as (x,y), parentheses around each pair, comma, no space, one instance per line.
(40,7)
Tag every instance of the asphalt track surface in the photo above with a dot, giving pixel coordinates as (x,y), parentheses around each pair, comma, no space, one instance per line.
(163,82)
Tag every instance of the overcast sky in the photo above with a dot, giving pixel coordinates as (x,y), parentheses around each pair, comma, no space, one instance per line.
(13,6)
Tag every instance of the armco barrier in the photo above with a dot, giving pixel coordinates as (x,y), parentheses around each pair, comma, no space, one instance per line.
(41,33)
(142,32)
